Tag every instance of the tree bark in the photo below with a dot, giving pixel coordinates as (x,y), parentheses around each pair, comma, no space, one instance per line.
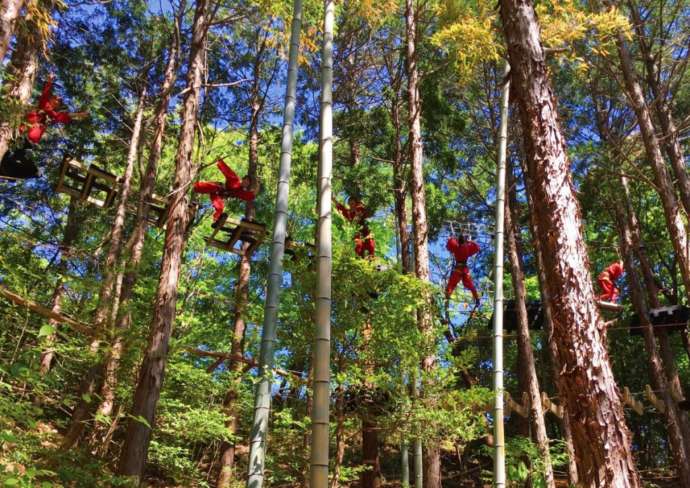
(339,435)
(663,182)
(662,109)
(602,440)
(108,294)
(400,187)
(22,67)
(371,476)
(152,370)
(657,375)
(432,455)
(70,235)
(526,355)
(135,245)
(9,13)
(227,460)
(632,225)
(573,477)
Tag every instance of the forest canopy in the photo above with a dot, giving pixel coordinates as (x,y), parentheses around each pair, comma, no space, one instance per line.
(344,243)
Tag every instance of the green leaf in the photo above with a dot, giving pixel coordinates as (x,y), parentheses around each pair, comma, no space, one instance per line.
(11,482)
(46,330)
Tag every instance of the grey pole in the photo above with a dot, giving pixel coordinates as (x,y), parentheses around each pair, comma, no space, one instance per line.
(262,399)
(322,350)
(499,435)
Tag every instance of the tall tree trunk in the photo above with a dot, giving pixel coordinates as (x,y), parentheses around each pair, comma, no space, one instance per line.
(70,235)
(602,440)
(262,398)
(400,187)
(9,13)
(405,464)
(663,182)
(109,291)
(322,349)
(632,225)
(432,455)
(22,67)
(573,477)
(227,460)
(662,109)
(371,476)
(526,354)
(657,375)
(339,435)
(152,370)
(135,245)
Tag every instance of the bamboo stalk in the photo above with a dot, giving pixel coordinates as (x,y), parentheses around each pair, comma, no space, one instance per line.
(499,439)
(320,412)
(262,399)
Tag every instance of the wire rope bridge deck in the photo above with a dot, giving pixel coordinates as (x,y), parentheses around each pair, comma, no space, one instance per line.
(230,234)
(94,185)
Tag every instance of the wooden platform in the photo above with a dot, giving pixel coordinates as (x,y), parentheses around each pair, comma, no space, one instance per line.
(99,187)
(609,306)
(158,209)
(231,234)
(91,184)
(673,318)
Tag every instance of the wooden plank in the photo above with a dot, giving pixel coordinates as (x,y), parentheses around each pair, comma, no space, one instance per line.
(45,312)
(610,306)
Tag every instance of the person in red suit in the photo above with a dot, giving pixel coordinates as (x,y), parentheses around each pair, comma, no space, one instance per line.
(462,249)
(45,113)
(234,187)
(364,242)
(607,282)
(357,213)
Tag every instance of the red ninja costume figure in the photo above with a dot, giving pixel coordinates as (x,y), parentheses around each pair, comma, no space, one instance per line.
(364,242)
(357,213)
(607,281)
(218,192)
(461,249)
(46,111)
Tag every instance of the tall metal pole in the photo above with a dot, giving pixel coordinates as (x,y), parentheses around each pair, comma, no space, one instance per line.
(499,435)
(262,400)
(322,350)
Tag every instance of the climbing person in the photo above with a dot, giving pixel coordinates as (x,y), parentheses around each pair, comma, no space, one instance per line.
(462,249)
(46,112)
(364,242)
(234,187)
(355,212)
(607,282)
(358,214)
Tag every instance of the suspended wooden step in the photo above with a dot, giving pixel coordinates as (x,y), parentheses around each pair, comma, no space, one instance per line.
(673,318)
(609,306)
(230,234)
(158,209)
(535,315)
(91,184)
